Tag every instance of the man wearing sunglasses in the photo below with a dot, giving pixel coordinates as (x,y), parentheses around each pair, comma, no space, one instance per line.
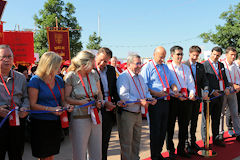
(180,107)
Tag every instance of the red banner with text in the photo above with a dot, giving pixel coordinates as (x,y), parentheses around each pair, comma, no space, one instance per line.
(22,45)
(58,41)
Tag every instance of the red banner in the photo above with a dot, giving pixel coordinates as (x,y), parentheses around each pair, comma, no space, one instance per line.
(2,6)
(22,45)
(1,33)
(58,41)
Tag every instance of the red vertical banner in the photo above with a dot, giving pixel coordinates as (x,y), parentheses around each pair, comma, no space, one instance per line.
(22,45)
(58,41)
(2,6)
(1,32)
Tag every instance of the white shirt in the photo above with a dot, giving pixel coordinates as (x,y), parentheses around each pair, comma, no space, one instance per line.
(128,92)
(231,72)
(103,76)
(188,83)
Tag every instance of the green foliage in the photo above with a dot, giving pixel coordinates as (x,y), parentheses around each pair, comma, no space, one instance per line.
(94,42)
(46,18)
(228,34)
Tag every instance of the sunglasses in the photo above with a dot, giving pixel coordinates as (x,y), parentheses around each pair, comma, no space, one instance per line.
(179,54)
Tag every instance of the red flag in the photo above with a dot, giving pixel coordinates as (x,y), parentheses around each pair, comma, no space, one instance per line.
(1,33)
(58,41)
(2,6)
(21,43)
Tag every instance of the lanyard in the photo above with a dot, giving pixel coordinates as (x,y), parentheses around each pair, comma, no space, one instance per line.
(84,87)
(136,85)
(216,71)
(53,92)
(5,86)
(230,73)
(177,75)
(161,77)
(195,80)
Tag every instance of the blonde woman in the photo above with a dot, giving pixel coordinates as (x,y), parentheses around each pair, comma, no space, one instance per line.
(46,93)
(82,85)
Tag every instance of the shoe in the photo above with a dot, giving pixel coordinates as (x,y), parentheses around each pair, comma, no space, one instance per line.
(238,138)
(219,143)
(231,133)
(183,154)
(190,150)
(195,147)
(172,155)
(162,158)
(220,137)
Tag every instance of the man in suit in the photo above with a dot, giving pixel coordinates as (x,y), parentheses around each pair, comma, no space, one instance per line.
(218,84)
(109,90)
(201,83)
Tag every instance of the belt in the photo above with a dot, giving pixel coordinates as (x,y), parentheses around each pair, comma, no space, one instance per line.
(130,111)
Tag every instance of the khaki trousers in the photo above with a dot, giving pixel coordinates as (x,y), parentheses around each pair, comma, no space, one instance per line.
(129,128)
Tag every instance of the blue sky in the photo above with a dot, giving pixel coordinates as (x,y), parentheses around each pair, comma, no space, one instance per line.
(134,25)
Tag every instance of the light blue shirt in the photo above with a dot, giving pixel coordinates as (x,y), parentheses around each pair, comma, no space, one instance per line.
(215,65)
(193,66)
(127,90)
(151,77)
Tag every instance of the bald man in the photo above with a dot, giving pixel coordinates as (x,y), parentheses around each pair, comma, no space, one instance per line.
(159,80)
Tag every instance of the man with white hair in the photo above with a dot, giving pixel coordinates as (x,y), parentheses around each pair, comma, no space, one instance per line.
(131,87)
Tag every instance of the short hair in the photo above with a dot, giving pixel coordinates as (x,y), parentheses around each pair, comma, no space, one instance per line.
(174,48)
(131,57)
(82,58)
(21,68)
(230,49)
(195,49)
(4,46)
(106,51)
(49,62)
(33,69)
(217,49)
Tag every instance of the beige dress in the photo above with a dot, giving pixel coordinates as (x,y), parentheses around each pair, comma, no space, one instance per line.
(85,136)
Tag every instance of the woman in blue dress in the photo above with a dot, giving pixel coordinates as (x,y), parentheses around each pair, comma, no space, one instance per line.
(46,93)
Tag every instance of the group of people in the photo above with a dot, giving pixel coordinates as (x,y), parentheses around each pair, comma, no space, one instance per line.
(97,95)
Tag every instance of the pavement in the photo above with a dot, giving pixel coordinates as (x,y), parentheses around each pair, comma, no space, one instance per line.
(114,146)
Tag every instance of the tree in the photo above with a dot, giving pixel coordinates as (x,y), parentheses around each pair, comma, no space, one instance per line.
(228,34)
(94,42)
(47,18)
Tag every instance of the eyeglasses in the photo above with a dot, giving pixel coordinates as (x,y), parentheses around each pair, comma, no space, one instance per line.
(179,54)
(5,57)
(138,63)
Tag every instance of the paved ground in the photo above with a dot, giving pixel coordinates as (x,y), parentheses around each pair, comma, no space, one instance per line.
(114,149)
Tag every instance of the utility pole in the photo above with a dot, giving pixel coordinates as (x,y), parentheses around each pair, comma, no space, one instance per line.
(98,25)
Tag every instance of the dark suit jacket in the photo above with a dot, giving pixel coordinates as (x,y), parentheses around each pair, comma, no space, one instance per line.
(202,81)
(212,78)
(112,84)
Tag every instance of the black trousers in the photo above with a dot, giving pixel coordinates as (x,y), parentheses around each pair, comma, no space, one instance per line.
(12,140)
(158,115)
(181,110)
(108,120)
(194,120)
(215,109)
